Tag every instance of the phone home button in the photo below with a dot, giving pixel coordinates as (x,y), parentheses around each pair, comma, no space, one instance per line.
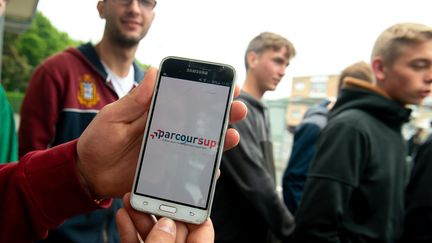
(167,208)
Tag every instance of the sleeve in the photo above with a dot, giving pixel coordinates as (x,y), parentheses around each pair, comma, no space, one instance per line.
(418,218)
(333,174)
(244,164)
(39,112)
(40,192)
(302,153)
(8,137)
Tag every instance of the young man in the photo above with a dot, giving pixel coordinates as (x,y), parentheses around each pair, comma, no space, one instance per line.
(306,135)
(48,186)
(355,187)
(68,89)
(246,206)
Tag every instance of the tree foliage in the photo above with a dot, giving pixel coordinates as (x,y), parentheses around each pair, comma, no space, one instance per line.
(23,52)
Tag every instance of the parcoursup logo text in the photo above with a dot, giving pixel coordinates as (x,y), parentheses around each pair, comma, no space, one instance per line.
(183,139)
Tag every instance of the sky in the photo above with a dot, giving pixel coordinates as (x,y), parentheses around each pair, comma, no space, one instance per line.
(328,35)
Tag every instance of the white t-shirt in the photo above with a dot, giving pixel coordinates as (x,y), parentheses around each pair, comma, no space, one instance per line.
(122,86)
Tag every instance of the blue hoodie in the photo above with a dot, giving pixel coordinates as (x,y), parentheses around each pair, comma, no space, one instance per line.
(303,151)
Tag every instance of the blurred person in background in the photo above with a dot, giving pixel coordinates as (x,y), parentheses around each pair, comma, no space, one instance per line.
(418,197)
(8,137)
(68,89)
(246,206)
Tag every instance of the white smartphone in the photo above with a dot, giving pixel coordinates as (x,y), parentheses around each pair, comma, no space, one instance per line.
(183,140)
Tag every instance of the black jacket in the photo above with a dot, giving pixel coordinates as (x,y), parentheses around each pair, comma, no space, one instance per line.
(418,219)
(355,187)
(246,206)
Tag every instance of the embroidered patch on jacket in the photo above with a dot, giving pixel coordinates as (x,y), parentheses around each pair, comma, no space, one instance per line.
(87,94)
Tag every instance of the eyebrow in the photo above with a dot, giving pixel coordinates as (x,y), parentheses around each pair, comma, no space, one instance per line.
(282,59)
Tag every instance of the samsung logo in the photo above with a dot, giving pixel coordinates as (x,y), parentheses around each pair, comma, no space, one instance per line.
(202,72)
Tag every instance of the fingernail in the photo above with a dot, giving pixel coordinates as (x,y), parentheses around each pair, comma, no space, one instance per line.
(166,225)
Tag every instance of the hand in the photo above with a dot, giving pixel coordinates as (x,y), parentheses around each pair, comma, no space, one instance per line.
(131,223)
(108,149)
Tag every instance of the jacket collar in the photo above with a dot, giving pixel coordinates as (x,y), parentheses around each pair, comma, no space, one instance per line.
(90,54)
(354,82)
(361,95)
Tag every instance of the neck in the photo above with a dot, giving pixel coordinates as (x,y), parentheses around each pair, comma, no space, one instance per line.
(251,87)
(117,58)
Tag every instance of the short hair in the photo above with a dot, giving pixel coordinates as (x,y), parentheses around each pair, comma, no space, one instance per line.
(391,41)
(269,40)
(359,70)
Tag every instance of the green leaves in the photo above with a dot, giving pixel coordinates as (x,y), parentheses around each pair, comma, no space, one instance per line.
(23,52)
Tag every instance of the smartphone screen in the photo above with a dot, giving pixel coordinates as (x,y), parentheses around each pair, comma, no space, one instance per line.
(184,135)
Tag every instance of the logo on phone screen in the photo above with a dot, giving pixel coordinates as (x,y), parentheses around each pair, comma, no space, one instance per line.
(183,139)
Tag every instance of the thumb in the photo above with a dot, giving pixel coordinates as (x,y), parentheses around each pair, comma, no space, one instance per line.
(164,231)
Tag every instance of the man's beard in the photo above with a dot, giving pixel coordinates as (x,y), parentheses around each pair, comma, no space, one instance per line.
(127,42)
(122,40)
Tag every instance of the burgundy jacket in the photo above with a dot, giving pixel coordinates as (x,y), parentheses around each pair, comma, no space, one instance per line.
(40,192)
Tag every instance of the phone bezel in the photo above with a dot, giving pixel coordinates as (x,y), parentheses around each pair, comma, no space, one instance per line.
(186,213)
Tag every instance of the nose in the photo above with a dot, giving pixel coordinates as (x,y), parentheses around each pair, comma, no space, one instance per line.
(135,6)
(281,71)
(428,76)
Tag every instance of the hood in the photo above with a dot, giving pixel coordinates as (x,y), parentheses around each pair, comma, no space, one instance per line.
(361,95)
(251,100)
(319,109)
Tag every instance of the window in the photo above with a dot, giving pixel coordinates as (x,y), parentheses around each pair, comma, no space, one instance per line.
(296,114)
(299,86)
(319,86)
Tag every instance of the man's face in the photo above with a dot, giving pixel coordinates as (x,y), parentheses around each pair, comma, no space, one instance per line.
(409,80)
(269,68)
(126,24)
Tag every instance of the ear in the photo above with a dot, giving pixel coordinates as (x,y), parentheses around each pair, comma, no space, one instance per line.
(252,59)
(101,9)
(154,14)
(152,18)
(378,68)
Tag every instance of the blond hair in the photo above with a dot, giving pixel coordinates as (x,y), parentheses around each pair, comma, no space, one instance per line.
(391,41)
(269,40)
